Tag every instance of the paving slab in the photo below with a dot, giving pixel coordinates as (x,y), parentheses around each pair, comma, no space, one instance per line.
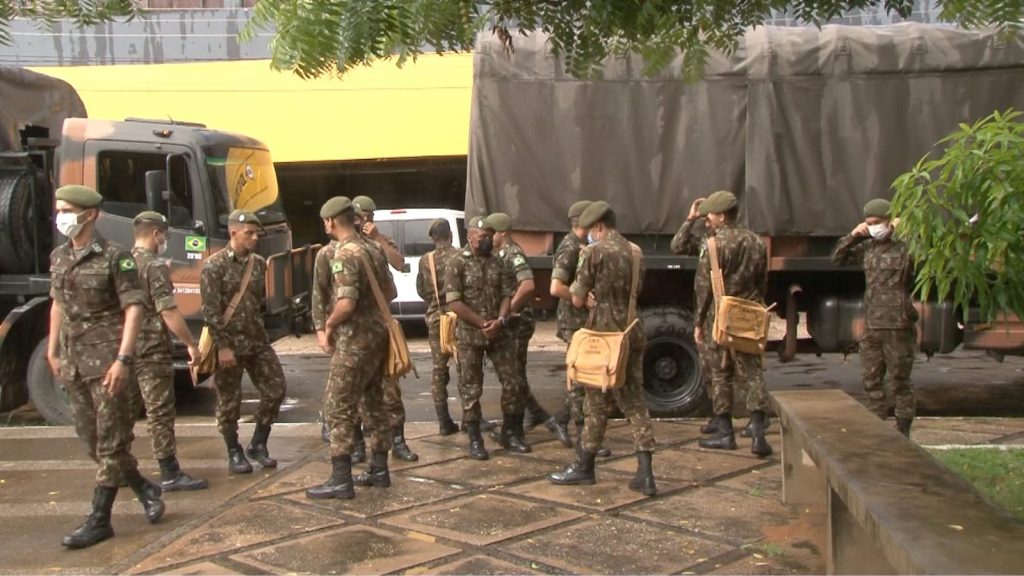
(478,565)
(944,436)
(762,482)
(201,569)
(501,469)
(608,493)
(369,502)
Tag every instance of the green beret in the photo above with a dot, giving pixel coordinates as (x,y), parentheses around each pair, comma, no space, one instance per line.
(150,217)
(364,204)
(879,208)
(335,206)
(594,213)
(718,203)
(576,210)
(81,196)
(481,223)
(500,221)
(244,217)
(436,224)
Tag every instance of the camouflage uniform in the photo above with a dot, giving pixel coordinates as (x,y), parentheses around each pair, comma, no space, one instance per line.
(357,365)
(93,287)
(570,318)
(743,260)
(244,335)
(690,241)
(482,283)
(393,406)
(440,376)
(522,326)
(323,296)
(606,269)
(153,370)
(890,335)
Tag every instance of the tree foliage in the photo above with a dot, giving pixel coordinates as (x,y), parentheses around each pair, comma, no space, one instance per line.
(80,12)
(961,212)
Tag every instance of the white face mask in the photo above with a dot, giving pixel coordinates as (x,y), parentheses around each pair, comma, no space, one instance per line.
(879,231)
(590,238)
(68,223)
(160,249)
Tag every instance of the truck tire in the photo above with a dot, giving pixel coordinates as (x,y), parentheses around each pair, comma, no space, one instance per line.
(16,221)
(673,385)
(46,392)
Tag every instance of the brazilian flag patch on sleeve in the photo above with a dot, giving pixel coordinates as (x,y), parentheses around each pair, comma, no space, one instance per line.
(126,264)
(337,267)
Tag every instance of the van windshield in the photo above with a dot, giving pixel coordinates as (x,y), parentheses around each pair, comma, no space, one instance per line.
(244,179)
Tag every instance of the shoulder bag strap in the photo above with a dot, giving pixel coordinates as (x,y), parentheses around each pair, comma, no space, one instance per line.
(433,275)
(717,282)
(246,276)
(631,314)
(377,294)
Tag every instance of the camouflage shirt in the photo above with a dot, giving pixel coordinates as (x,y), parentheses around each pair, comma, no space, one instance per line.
(425,280)
(93,288)
(888,277)
(219,282)
(514,259)
(606,269)
(350,280)
(322,298)
(689,240)
(567,256)
(743,259)
(481,283)
(155,279)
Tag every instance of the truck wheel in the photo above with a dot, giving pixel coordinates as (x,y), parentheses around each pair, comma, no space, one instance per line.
(16,222)
(673,385)
(46,392)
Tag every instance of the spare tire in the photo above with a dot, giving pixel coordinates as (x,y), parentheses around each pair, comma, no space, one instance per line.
(47,393)
(673,379)
(17,218)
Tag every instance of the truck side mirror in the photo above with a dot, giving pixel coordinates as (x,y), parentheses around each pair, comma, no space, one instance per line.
(156,191)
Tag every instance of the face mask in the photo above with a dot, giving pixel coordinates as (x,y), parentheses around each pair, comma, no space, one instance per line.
(485,246)
(68,223)
(161,248)
(590,238)
(879,231)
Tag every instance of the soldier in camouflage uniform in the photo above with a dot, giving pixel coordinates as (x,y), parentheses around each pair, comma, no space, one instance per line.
(94,324)
(890,319)
(743,260)
(522,325)
(393,405)
(604,279)
(241,343)
(426,279)
(360,336)
(154,373)
(479,290)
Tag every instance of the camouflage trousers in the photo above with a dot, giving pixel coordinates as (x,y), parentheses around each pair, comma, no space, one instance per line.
(104,422)
(355,388)
(731,373)
(440,376)
(892,352)
(156,383)
(522,329)
(267,376)
(394,409)
(630,399)
(471,377)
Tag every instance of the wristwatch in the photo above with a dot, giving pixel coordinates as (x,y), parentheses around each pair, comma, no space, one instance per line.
(125,359)
(503,320)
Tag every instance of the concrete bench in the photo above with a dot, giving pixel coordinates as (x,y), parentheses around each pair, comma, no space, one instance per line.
(891,507)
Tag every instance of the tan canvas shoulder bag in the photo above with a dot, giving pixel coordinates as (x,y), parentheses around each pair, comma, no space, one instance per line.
(207,362)
(740,325)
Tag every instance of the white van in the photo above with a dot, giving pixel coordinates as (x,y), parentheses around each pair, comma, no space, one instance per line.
(408,228)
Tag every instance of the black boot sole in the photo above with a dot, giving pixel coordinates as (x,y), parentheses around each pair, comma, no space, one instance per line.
(407,456)
(644,490)
(70,544)
(574,482)
(332,495)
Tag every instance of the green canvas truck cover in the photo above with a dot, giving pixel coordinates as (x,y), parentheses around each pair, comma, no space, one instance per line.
(30,98)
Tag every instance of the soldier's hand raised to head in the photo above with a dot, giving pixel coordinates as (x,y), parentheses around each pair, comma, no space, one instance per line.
(226,358)
(370,230)
(695,209)
(861,230)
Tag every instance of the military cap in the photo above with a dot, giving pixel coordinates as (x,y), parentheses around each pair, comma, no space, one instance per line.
(364,204)
(335,206)
(481,223)
(81,196)
(436,223)
(718,203)
(500,221)
(594,213)
(576,210)
(244,217)
(150,217)
(879,208)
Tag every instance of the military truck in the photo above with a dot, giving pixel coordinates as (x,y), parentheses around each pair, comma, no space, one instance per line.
(193,175)
(803,124)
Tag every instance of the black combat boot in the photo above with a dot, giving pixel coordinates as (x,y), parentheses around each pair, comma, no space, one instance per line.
(258,447)
(759,445)
(399,448)
(172,478)
(534,415)
(510,437)
(445,425)
(579,472)
(359,445)
(712,427)
(725,439)
(377,474)
(748,430)
(560,432)
(96,527)
(148,494)
(903,425)
(339,485)
(477,451)
(643,482)
(237,463)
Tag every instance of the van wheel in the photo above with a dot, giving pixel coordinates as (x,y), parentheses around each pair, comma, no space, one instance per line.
(673,378)
(46,392)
